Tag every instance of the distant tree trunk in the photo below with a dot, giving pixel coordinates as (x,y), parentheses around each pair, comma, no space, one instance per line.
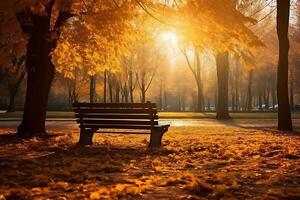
(105,86)
(237,103)
(260,99)
(92,88)
(13,92)
(110,87)
(117,92)
(232,90)
(273,93)
(142,86)
(125,95)
(292,90)
(232,101)
(208,104)
(182,100)
(284,113)
(266,96)
(200,97)
(165,101)
(216,97)
(179,102)
(222,60)
(143,97)
(160,96)
(131,86)
(249,92)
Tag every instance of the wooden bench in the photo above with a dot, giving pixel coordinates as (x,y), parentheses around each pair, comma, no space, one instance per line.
(135,118)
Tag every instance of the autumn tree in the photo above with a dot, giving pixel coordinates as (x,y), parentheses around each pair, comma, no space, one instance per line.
(43,22)
(147,62)
(197,73)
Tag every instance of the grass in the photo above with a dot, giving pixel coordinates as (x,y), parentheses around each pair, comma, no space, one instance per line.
(190,115)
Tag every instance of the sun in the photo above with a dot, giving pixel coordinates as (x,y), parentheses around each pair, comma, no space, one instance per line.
(170,37)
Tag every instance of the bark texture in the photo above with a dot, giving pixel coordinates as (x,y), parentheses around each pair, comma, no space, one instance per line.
(284,113)
(222,61)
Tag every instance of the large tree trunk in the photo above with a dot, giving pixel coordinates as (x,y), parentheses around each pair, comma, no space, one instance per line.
(222,61)
(40,69)
(40,76)
(284,113)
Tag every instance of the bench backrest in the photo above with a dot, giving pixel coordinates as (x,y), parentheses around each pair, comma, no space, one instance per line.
(116,115)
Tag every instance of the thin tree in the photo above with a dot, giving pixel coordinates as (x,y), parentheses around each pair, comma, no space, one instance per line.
(196,70)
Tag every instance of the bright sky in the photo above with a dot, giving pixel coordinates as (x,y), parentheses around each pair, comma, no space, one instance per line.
(171,43)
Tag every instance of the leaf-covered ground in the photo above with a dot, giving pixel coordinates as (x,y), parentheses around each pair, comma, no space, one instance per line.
(195,163)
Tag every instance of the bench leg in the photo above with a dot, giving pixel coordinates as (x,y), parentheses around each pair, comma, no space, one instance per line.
(156,136)
(86,137)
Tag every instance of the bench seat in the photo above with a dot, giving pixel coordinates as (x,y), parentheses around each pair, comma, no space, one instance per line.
(118,117)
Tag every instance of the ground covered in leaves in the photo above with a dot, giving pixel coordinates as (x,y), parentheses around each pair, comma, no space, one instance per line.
(195,163)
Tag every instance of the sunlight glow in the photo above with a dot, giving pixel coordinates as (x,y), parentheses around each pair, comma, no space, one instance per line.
(171,44)
(170,37)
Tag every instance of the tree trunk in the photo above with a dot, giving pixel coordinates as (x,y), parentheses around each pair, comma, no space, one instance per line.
(284,113)
(237,101)
(232,101)
(160,96)
(208,104)
(40,69)
(260,100)
(117,92)
(92,89)
(200,98)
(292,90)
(131,86)
(13,93)
(249,93)
(222,61)
(105,85)
(11,105)
(273,93)
(38,86)
(165,101)
(143,96)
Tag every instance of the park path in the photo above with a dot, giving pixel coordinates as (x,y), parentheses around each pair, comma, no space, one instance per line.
(245,123)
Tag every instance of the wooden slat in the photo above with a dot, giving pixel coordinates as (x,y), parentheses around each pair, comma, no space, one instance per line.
(116,116)
(117,126)
(121,111)
(122,132)
(120,122)
(115,105)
